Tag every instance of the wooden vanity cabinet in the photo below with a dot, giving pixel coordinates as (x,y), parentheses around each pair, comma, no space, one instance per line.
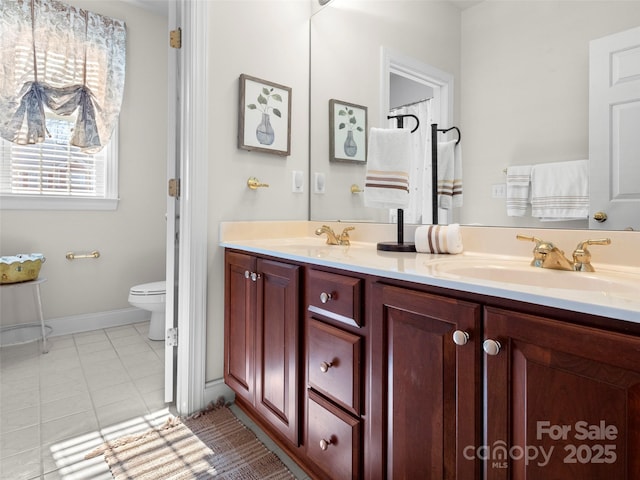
(426,386)
(564,398)
(262,318)
(367,377)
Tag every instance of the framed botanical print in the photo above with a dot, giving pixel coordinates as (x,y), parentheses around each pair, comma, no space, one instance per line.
(347,132)
(264,120)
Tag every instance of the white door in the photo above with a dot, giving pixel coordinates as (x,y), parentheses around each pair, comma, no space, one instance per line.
(173,210)
(614,130)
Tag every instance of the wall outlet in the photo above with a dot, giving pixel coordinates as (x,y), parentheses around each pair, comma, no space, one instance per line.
(297,181)
(499,190)
(318,182)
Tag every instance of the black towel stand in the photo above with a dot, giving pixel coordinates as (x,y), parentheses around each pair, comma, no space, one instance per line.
(400,245)
(434,167)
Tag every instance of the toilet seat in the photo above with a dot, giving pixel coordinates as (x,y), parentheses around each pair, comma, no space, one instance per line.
(149,289)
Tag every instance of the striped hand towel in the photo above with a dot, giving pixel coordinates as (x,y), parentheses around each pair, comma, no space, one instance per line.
(438,239)
(387,176)
(518,189)
(560,191)
(449,175)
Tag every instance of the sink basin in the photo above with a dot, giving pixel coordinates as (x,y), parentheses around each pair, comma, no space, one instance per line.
(519,273)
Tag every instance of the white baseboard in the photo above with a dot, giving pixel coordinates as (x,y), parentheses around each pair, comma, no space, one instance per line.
(215,389)
(96,321)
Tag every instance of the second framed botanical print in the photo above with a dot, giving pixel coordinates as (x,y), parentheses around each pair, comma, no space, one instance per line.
(347,132)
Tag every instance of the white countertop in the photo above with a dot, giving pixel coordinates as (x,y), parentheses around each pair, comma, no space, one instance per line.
(608,300)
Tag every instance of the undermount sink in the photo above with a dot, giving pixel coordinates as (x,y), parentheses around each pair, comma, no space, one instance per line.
(519,273)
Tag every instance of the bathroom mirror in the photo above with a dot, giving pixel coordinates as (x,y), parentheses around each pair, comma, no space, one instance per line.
(521,89)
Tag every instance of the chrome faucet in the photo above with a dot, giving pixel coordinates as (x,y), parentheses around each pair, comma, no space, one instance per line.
(547,255)
(332,238)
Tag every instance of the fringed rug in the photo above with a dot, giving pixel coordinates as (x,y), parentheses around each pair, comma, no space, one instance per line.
(210,444)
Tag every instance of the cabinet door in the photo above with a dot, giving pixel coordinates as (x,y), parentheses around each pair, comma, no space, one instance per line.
(562,401)
(430,384)
(277,334)
(239,328)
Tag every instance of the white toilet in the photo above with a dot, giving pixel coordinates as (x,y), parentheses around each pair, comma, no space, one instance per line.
(151,296)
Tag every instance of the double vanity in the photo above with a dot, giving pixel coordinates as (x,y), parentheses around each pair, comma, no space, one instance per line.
(370,364)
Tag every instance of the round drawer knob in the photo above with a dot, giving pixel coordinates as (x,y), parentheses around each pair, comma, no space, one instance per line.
(324,367)
(255,276)
(247,274)
(324,444)
(325,297)
(460,337)
(491,347)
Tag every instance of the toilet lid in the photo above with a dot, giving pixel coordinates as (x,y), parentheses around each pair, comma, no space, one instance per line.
(153,288)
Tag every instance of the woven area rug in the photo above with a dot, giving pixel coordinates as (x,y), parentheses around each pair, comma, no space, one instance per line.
(210,444)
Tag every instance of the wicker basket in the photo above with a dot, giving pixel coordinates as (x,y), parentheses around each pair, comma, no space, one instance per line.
(23,267)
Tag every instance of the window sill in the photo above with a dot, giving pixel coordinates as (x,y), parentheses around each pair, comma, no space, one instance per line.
(35,202)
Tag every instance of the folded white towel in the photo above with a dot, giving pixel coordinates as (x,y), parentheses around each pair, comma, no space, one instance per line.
(388,163)
(449,175)
(560,191)
(518,189)
(438,239)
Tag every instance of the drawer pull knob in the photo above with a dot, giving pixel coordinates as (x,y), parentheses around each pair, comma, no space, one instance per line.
(247,274)
(324,367)
(255,276)
(460,337)
(491,347)
(325,297)
(324,444)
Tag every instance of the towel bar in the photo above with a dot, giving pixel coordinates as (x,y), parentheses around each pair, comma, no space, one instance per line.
(76,256)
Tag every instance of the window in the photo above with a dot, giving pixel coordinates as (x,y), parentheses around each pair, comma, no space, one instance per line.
(62,84)
(56,175)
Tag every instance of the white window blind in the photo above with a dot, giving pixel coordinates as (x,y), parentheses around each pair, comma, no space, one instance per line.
(54,174)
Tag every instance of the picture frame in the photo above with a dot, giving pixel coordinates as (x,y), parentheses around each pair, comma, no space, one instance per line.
(264,116)
(348,132)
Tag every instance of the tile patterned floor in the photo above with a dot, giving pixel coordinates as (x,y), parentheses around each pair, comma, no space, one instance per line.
(91,386)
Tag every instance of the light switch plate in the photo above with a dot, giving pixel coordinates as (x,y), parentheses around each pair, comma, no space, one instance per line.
(319,182)
(499,190)
(297,181)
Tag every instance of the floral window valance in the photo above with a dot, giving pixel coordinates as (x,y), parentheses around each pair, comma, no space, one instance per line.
(64,58)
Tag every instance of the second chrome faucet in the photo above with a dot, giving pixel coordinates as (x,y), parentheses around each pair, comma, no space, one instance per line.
(547,255)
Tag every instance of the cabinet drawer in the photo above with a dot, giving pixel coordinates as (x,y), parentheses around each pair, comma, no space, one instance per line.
(335,296)
(333,364)
(333,439)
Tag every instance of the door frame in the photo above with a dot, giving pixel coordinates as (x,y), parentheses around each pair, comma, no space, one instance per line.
(191,98)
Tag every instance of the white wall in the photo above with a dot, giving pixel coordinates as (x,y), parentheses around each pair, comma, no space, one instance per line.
(131,240)
(525,91)
(268,40)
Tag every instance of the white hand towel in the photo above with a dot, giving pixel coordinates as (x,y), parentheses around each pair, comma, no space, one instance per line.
(438,239)
(560,191)
(388,163)
(449,175)
(518,189)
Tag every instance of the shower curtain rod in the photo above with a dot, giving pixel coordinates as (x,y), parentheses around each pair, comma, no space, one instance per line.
(410,104)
